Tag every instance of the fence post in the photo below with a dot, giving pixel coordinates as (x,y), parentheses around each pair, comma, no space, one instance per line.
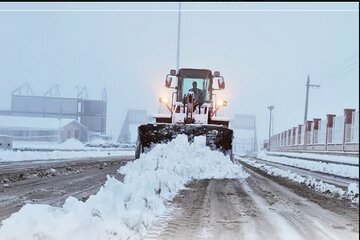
(299,134)
(329,126)
(278,140)
(315,131)
(294,136)
(289,137)
(307,131)
(347,125)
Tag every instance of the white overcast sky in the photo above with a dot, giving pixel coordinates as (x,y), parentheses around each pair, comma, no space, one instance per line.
(264,56)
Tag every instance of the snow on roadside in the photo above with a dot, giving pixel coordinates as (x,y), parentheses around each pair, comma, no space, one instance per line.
(352,192)
(331,168)
(325,157)
(124,210)
(70,144)
(9,155)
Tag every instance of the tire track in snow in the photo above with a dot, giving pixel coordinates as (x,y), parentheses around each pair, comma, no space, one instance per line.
(254,208)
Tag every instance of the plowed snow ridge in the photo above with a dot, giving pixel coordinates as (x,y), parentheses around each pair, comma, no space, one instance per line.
(125,210)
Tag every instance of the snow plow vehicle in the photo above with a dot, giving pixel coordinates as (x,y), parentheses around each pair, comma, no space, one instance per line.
(192,111)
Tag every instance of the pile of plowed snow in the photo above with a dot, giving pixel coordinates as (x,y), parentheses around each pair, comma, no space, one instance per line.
(72,143)
(11,156)
(331,168)
(352,192)
(124,210)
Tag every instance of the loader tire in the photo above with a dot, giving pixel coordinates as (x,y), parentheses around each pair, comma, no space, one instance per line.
(138,150)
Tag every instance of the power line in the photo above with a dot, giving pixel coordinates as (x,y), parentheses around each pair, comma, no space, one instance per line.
(344,71)
(352,64)
(345,61)
(345,67)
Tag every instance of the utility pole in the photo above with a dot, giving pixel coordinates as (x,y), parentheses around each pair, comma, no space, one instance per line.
(270,108)
(178,42)
(308,85)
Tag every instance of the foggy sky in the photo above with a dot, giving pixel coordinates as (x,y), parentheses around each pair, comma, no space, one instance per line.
(264,56)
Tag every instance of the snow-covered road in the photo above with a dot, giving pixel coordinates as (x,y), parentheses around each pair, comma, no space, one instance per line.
(255,208)
(52,182)
(176,191)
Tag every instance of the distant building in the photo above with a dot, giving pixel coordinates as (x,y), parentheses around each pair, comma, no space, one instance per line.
(6,142)
(90,113)
(42,129)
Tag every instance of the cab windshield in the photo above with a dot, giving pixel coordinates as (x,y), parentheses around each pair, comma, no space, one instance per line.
(201,84)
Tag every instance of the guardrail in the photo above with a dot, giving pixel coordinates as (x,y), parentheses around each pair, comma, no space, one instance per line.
(335,133)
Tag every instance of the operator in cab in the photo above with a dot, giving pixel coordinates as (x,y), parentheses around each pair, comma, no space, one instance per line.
(198,94)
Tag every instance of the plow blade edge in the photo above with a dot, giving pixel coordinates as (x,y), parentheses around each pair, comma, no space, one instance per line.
(217,137)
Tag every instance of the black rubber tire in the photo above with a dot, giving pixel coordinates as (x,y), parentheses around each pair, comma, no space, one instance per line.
(138,150)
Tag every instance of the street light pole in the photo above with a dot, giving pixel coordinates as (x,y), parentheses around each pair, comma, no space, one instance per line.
(178,40)
(270,108)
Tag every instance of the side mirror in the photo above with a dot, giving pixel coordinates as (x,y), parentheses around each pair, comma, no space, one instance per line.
(173,72)
(216,74)
(221,83)
(168,81)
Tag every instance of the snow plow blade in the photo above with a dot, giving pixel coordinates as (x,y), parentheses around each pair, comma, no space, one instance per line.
(217,137)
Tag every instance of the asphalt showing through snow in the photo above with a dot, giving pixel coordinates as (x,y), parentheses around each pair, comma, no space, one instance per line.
(260,207)
(52,182)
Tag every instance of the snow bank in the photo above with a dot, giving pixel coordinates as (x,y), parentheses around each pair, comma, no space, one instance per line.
(331,168)
(124,210)
(72,143)
(324,157)
(9,155)
(352,192)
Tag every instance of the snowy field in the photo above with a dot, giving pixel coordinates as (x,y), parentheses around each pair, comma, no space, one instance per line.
(352,192)
(125,210)
(330,168)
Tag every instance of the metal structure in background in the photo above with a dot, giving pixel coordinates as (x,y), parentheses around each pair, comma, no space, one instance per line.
(137,117)
(93,115)
(53,91)
(270,121)
(239,124)
(90,113)
(20,90)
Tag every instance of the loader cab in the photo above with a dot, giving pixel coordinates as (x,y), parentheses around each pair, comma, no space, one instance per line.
(194,93)
(201,78)
(186,78)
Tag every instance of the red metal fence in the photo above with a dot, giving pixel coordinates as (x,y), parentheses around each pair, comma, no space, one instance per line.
(334,133)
